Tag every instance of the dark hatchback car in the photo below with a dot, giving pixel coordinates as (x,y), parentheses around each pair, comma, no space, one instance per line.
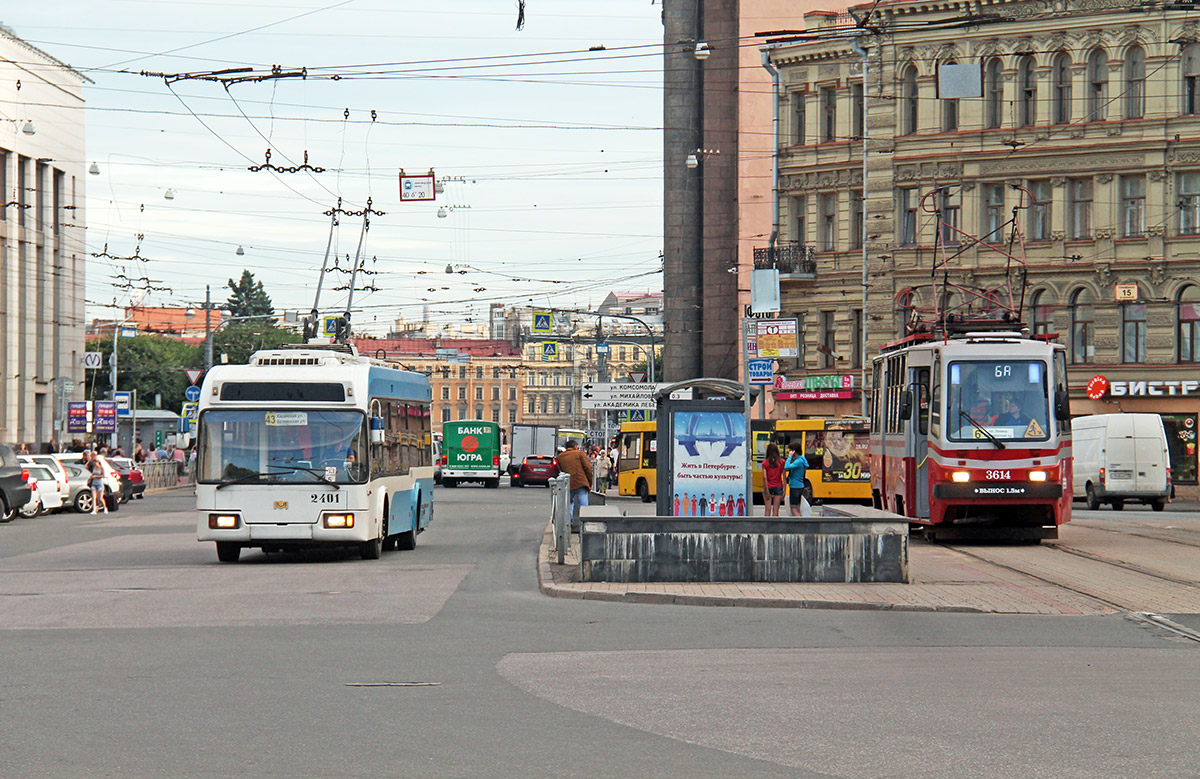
(133,481)
(535,469)
(14,484)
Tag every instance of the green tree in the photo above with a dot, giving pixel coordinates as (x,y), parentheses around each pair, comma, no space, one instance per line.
(239,340)
(248,298)
(151,364)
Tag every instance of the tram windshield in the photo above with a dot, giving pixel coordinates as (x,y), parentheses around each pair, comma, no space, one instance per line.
(254,447)
(998,399)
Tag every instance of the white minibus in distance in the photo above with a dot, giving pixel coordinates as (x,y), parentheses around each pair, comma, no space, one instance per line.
(1121,457)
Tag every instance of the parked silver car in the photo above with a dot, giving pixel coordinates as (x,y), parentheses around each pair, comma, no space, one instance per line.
(79,494)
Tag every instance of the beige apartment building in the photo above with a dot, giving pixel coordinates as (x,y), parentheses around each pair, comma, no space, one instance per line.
(1082,126)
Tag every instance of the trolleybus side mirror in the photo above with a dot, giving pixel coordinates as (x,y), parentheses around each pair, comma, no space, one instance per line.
(906,404)
(1062,405)
(377,430)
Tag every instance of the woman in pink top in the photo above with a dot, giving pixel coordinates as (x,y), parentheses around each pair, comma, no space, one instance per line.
(772,469)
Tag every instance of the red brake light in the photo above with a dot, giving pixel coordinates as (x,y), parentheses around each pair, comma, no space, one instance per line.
(1101,475)
(24,475)
(524,461)
(496,460)
(554,462)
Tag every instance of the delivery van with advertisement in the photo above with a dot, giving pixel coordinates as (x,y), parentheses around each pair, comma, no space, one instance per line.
(470,452)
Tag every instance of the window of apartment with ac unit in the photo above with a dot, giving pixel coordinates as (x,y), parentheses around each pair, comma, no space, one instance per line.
(857,110)
(908,201)
(1079,209)
(856,219)
(1189,203)
(828,205)
(1133,206)
(828,339)
(799,217)
(993,213)
(950,203)
(1039,210)
(799,118)
(828,114)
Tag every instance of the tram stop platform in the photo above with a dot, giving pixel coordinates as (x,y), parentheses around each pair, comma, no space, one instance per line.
(940,578)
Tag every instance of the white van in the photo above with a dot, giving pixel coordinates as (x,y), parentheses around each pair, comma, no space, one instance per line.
(1121,457)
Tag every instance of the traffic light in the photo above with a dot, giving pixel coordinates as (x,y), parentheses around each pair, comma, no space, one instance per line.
(341,332)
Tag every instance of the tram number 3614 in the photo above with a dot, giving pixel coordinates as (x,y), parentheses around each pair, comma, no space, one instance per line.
(998,475)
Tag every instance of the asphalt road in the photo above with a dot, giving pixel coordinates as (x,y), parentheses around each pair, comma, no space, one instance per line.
(129,651)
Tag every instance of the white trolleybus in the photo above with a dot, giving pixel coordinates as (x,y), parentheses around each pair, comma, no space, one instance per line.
(313,445)
(970,435)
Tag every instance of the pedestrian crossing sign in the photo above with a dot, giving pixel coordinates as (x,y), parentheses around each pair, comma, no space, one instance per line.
(549,350)
(543,321)
(637,415)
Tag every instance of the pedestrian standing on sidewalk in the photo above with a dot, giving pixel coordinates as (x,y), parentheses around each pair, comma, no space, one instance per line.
(605,469)
(795,466)
(95,481)
(576,463)
(772,469)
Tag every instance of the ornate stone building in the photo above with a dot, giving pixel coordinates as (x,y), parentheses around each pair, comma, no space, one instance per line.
(1073,142)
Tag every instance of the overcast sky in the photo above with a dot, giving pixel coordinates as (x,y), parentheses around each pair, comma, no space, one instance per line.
(551,152)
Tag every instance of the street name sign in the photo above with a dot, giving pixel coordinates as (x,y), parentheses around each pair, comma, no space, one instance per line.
(625,395)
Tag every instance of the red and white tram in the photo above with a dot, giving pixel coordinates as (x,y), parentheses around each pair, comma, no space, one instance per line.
(970,435)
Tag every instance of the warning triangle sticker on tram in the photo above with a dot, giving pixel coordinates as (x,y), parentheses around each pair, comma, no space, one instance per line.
(1034,430)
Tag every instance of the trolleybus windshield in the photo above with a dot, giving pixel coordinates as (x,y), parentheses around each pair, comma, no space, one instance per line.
(259,446)
(998,399)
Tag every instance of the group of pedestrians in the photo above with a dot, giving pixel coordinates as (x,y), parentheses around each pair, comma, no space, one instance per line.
(776,470)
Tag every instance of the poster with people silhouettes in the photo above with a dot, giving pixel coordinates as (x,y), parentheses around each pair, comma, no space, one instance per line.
(709,464)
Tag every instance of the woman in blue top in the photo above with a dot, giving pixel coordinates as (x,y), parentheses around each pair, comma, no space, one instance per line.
(795,467)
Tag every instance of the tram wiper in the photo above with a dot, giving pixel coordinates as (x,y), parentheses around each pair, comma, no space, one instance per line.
(981,428)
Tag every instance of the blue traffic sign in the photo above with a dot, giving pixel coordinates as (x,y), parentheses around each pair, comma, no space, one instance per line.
(637,415)
(543,321)
(192,393)
(761,371)
(549,349)
(601,348)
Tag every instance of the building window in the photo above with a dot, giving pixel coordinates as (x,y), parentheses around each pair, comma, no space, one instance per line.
(799,218)
(1189,203)
(909,99)
(512,416)
(445,393)
(799,118)
(828,113)
(462,393)
(993,213)
(1083,350)
(1062,88)
(1133,206)
(1191,78)
(1079,197)
(1135,82)
(857,110)
(557,405)
(950,110)
(532,406)
(908,217)
(1188,304)
(856,219)
(1027,91)
(512,393)
(828,203)
(557,379)
(479,393)
(994,93)
(446,415)
(1133,332)
(828,340)
(462,374)
(495,393)
(1043,314)
(1097,86)
(479,372)
(545,404)
(950,203)
(1039,210)
(621,353)
(545,378)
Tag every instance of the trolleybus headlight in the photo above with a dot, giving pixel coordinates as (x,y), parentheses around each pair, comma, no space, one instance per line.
(1037,475)
(961,476)
(339,520)
(223,521)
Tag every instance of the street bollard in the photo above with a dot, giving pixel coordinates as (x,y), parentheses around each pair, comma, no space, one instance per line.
(560,507)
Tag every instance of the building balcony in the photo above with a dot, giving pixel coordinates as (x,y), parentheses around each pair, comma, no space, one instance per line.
(791,258)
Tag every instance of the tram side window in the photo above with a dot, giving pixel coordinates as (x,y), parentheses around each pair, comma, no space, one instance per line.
(922,400)
(895,391)
(875,404)
(935,401)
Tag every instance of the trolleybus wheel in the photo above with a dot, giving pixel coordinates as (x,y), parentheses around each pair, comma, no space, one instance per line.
(1093,502)
(643,491)
(389,542)
(228,552)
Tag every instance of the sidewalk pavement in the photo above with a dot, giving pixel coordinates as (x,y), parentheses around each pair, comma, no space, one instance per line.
(941,579)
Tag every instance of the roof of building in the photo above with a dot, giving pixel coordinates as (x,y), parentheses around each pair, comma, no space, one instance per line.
(11,34)
(428,347)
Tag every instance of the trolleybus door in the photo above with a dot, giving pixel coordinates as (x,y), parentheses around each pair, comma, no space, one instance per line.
(919,427)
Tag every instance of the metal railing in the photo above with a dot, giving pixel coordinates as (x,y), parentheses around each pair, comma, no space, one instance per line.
(790,257)
(163,473)
(560,512)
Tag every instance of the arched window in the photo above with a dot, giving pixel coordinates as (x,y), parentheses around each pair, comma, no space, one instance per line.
(1188,305)
(1027,91)
(1097,86)
(1042,307)
(1062,88)
(1191,78)
(994,92)
(909,104)
(1135,82)
(949,110)
(1082,316)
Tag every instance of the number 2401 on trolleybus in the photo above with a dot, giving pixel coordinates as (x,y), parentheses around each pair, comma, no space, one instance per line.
(313,446)
(970,435)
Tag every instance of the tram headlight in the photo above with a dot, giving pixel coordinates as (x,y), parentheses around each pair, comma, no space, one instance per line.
(961,476)
(223,521)
(1037,475)
(339,520)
